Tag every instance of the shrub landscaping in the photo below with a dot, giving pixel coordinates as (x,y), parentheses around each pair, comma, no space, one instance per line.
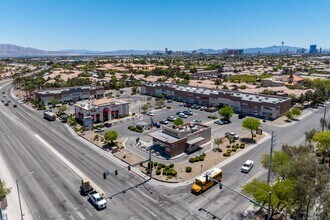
(197,158)
(188,169)
(136,129)
(212,117)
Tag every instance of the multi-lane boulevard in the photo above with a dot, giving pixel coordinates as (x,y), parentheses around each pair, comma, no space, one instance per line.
(52,191)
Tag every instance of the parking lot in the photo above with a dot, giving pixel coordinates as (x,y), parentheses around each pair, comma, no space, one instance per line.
(160,114)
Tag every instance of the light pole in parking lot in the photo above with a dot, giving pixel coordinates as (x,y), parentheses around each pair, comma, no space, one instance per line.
(19,197)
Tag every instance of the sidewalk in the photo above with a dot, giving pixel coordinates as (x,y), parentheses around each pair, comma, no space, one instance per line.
(12,212)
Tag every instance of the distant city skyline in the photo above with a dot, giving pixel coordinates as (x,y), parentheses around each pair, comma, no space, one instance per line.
(155,25)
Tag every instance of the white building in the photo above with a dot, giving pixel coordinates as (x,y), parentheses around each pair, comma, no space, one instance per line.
(101,110)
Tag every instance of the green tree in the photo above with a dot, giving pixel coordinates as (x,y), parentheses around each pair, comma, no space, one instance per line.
(226,112)
(280,163)
(134,89)
(145,107)
(323,143)
(4,191)
(160,103)
(178,121)
(218,141)
(251,123)
(110,136)
(296,112)
(289,115)
(281,198)
(63,108)
(309,178)
(309,135)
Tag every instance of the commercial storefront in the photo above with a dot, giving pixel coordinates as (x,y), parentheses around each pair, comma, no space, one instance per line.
(101,110)
(186,138)
(259,105)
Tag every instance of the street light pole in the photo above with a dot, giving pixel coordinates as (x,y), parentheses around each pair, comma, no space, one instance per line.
(19,199)
(272,144)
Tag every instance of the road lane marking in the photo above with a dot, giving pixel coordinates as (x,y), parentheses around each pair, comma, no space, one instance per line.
(68,163)
(89,212)
(81,215)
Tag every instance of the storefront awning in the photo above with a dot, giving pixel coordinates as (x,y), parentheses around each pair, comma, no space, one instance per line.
(194,141)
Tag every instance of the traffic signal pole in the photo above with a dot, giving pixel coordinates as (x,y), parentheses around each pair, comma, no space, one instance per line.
(231,189)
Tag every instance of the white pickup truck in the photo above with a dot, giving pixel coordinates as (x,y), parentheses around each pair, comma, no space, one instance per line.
(98,200)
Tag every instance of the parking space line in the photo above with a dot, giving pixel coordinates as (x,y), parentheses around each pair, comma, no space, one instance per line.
(81,215)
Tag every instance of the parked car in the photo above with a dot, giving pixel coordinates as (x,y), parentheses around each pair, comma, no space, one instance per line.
(8,101)
(202,108)
(197,121)
(164,122)
(188,112)
(240,116)
(183,115)
(218,122)
(225,121)
(169,100)
(185,104)
(247,166)
(171,118)
(198,107)
(6,104)
(2,100)
(178,113)
(150,114)
(232,134)
(64,118)
(3,92)
(181,104)
(193,106)
(107,124)
(99,130)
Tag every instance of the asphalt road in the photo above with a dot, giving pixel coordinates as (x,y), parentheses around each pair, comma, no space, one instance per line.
(52,191)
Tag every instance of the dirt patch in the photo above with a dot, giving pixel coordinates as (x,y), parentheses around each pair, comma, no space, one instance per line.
(128,156)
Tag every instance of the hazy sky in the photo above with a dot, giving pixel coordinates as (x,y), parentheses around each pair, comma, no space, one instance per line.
(156,24)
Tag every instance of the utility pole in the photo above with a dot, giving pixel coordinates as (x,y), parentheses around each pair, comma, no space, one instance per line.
(325,112)
(150,167)
(272,144)
(19,200)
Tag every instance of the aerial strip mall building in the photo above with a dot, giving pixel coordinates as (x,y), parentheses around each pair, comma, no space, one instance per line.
(265,106)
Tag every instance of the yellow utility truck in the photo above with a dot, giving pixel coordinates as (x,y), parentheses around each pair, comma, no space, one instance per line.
(203,182)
